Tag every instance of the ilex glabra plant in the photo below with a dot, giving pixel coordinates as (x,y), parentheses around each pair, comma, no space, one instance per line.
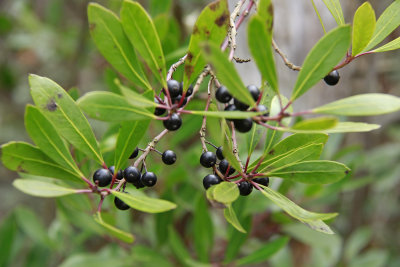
(66,153)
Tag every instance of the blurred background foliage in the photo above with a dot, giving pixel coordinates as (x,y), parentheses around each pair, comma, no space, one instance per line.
(51,38)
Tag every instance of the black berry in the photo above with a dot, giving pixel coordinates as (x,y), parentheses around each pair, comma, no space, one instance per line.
(222,95)
(262,181)
(240,105)
(120,175)
(135,153)
(189,91)
(177,100)
(174,88)
(168,157)
(219,153)
(208,159)
(223,167)
(148,179)
(254,91)
(158,111)
(243,125)
(332,78)
(132,175)
(173,123)
(210,180)
(102,177)
(120,204)
(245,188)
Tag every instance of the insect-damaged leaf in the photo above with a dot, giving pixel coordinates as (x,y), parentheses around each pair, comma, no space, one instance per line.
(211,26)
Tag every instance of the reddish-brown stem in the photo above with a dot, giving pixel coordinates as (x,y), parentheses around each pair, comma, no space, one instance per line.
(247,164)
(257,166)
(100,203)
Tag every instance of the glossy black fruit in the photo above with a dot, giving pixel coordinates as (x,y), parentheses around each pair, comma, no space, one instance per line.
(210,180)
(223,167)
(222,95)
(135,153)
(240,105)
(174,88)
(149,179)
(120,204)
(168,157)
(173,123)
(132,174)
(219,153)
(264,109)
(120,175)
(158,111)
(177,100)
(254,91)
(189,91)
(245,188)
(263,181)
(243,125)
(332,78)
(102,177)
(208,159)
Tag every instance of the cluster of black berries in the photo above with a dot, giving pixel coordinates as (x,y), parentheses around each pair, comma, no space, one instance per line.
(175,90)
(242,125)
(332,78)
(103,177)
(209,159)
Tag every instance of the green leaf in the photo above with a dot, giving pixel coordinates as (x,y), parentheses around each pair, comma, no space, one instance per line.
(225,114)
(46,137)
(311,219)
(178,247)
(157,7)
(236,239)
(112,230)
(226,192)
(387,22)
(328,52)
(23,157)
(41,189)
(259,37)
(129,136)
(227,73)
(358,240)
(393,45)
(136,99)
(254,138)
(361,105)
(142,33)
(109,37)
(319,124)
(228,151)
(265,11)
(265,252)
(145,204)
(204,234)
(363,27)
(312,172)
(8,232)
(231,217)
(348,127)
(62,111)
(336,10)
(212,26)
(107,106)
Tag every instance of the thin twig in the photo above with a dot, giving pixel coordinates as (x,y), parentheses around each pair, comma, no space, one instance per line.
(289,64)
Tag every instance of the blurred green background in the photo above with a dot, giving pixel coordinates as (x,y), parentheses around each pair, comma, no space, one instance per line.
(51,38)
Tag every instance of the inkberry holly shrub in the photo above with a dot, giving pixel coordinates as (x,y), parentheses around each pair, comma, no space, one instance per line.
(198,99)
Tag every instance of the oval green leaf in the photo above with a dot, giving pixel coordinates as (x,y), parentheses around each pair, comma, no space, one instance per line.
(109,37)
(145,204)
(363,27)
(328,52)
(41,189)
(361,105)
(231,217)
(142,33)
(226,192)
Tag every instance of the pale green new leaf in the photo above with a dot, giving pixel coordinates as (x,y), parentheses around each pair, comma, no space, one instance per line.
(41,189)
(227,73)
(311,219)
(393,45)
(316,124)
(212,26)
(387,22)
(110,38)
(225,114)
(145,204)
(61,110)
(349,127)
(363,27)
(361,105)
(112,230)
(142,33)
(336,10)
(226,192)
(231,217)
(107,106)
(328,52)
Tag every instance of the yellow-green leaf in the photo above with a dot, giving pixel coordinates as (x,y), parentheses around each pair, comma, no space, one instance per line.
(41,189)
(363,27)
